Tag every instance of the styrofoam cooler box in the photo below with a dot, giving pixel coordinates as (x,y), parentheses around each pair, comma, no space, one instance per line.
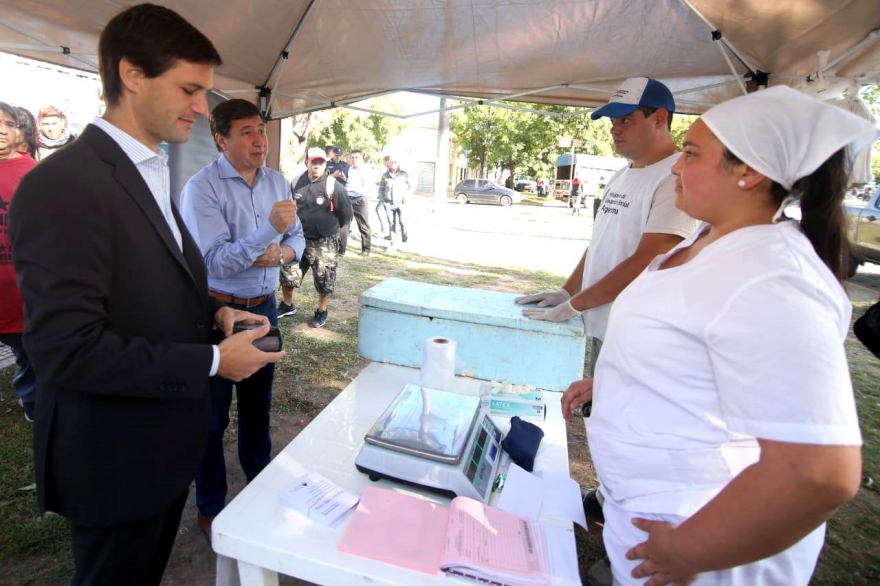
(494,340)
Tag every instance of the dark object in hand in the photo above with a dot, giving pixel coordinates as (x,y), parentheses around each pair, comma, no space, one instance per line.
(587,409)
(867,329)
(271,342)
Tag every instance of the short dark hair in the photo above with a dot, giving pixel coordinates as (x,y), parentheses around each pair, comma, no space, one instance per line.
(153,38)
(649,110)
(225,113)
(9,111)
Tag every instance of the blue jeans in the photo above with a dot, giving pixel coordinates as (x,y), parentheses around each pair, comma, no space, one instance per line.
(254,442)
(397,216)
(24,381)
(382,210)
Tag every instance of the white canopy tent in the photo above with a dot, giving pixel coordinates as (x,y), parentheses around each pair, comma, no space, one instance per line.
(293,56)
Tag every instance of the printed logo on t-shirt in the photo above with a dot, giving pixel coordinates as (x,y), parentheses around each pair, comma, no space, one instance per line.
(613,202)
(297,195)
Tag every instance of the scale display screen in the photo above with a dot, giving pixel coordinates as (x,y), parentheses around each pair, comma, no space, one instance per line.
(426,422)
(484,456)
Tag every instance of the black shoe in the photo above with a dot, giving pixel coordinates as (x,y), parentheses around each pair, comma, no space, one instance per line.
(320,319)
(284,309)
(28,410)
(404,238)
(388,237)
(365,253)
(592,504)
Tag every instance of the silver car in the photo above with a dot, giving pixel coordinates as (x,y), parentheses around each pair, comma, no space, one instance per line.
(485,191)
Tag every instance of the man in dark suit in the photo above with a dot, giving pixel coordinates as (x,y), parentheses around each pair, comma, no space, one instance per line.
(117,314)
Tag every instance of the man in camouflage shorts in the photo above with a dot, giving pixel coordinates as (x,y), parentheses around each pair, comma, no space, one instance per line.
(323,208)
(320,256)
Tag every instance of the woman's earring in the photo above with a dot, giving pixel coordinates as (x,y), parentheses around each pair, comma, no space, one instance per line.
(741,182)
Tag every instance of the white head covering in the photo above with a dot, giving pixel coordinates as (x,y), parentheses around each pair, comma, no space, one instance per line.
(786,135)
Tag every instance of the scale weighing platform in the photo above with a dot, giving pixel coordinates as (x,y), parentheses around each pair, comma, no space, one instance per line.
(434,439)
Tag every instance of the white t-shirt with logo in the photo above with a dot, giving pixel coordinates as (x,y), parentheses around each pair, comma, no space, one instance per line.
(635,202)
(745,341)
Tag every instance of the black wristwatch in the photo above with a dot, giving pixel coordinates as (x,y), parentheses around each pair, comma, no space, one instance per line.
(586,409)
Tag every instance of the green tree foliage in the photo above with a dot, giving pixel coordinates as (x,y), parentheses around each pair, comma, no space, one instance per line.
(680,125)
(477,131)
(524,142)
(871,96)
(350,129)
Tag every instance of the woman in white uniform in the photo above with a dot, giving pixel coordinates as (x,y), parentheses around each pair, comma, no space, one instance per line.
(723,426)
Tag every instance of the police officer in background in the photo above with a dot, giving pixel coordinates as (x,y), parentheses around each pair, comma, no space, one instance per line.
(324,208)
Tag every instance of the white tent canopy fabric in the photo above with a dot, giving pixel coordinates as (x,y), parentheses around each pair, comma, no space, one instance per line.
(314,54)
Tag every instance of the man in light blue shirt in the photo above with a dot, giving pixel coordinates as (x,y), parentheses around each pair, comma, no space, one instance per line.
(360,185)
(245,223)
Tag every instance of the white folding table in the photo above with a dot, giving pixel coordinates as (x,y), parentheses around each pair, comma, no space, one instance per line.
(264,539)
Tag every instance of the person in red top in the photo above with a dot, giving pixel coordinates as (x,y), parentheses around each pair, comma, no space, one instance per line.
(13,166)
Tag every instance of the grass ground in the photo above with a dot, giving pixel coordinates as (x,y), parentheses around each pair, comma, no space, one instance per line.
(322,362)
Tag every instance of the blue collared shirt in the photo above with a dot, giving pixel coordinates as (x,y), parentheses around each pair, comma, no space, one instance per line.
(230,222)
(153,167)
(360,182)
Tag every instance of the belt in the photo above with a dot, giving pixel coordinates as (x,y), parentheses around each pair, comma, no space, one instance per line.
(233,300)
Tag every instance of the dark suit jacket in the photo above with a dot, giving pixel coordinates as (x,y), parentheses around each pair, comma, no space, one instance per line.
(117,326)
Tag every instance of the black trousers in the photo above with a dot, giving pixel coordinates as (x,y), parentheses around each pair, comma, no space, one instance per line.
(134,554)
(362,217)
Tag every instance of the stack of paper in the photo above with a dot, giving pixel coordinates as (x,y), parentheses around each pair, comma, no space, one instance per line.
(468,539)
(318,499)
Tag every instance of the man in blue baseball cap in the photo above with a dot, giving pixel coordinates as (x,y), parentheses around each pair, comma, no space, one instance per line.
(637,219)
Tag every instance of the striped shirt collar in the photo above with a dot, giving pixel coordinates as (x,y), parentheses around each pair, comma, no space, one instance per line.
(137,151)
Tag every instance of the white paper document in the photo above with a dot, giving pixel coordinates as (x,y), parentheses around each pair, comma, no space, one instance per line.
(542,494)
(562,498)
(522,494)
(318,499)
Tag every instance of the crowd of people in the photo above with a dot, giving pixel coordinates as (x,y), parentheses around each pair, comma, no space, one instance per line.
(719,458)
(24,140)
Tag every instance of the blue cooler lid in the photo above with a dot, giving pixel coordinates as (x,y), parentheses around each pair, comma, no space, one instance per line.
(477,306)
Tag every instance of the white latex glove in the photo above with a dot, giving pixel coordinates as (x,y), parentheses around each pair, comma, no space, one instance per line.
(545,298)
(558,313)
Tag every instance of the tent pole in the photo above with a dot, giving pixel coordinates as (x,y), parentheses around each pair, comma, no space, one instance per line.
(44,49)
(708,87)
(716,36)
(712,27)
(65,50)
(871,37)
(282,58)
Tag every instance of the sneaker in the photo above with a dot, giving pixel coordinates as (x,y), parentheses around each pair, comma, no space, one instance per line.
(28,410)
(284,309)
(365,253)
(320,319)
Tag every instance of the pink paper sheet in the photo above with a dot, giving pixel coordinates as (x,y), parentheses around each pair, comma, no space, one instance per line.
(398,529)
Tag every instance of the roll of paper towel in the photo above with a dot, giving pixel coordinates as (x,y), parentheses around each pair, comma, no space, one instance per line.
(438,363)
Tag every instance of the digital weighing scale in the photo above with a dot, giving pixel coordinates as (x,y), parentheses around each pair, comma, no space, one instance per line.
(434,439)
